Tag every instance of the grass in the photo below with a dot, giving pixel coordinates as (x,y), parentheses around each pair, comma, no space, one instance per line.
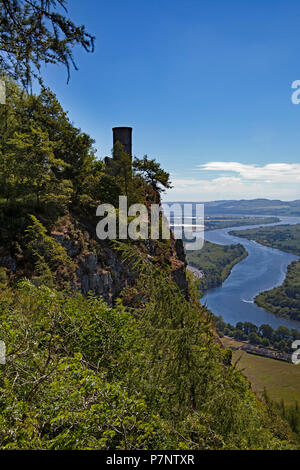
(231,342)
(281,379)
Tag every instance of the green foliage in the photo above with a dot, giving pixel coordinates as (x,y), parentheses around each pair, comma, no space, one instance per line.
(81,375)
(45,162)
(285,299)
(153,174)
(47,254)
(187,366)
(48,166)
(34,147)
(282,237)
(289,413)
(3,278)
(216,262)
(55,397)
(141,180)
(119,169)
(264,335)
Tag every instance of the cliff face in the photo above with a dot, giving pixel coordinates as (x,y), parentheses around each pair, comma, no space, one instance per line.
(98,266)
(100,269)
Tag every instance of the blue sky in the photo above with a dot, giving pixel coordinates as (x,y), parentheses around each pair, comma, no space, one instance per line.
(206,85)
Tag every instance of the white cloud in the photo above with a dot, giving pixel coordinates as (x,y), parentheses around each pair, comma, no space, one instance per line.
(273,172)
(235,180)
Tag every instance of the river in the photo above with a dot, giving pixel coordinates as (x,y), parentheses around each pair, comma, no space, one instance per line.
(263,269)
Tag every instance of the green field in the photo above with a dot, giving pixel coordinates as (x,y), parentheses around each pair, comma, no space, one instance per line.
(281,379)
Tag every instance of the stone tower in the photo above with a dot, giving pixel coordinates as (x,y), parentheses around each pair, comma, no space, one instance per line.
(124,136)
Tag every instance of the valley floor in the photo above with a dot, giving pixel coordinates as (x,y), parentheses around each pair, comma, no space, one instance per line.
(281,379)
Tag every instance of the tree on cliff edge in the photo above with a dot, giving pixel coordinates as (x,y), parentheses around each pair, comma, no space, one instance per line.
(36,32)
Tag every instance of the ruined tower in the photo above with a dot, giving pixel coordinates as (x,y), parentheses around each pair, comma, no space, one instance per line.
(124,136)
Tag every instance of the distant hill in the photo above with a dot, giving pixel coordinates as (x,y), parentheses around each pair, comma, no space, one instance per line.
(254,206)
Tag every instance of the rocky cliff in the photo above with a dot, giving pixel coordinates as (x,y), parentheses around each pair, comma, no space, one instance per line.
(100,269)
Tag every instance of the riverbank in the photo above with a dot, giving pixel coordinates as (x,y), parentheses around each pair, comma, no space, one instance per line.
(214,263)
(283,300)
(199,274)
(263,269)
(219,222)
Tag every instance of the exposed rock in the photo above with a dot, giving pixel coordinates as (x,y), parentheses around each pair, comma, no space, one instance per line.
(199,274)
(178,265)
(104,274)
(73,247)
(179,248)
(92,278)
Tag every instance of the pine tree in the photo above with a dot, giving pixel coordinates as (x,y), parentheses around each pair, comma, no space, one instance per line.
(36,32)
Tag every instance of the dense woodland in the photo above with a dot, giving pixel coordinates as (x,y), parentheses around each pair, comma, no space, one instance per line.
(285,299)
(290,413)
(264,335)
(282,237)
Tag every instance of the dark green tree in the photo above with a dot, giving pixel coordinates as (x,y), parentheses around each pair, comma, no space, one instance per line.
(266,331)
(153,174)
(37,32)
